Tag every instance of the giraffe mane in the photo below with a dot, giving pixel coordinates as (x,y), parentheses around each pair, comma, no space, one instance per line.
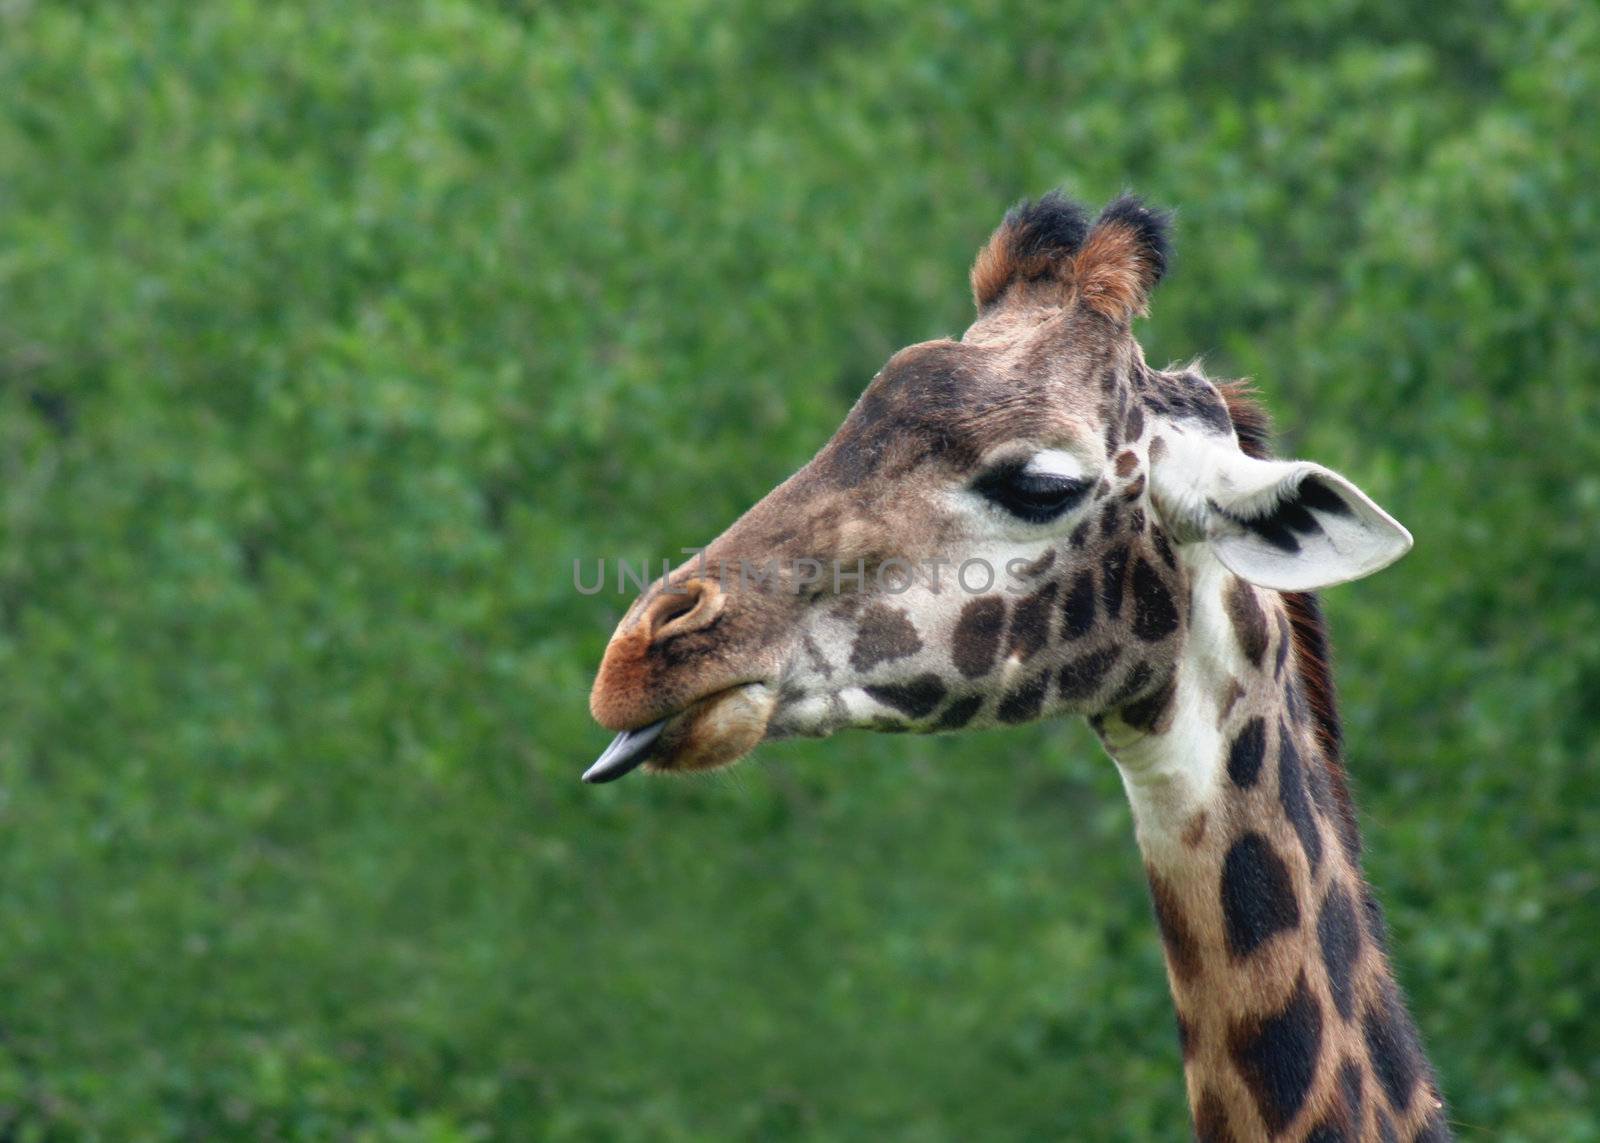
(1313,651)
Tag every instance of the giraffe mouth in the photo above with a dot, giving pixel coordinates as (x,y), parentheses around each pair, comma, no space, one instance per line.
(713,731)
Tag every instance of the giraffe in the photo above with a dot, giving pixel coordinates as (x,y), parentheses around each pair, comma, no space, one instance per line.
(1031,521)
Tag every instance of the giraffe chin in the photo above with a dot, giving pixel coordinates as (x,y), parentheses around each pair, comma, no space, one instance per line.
(718,730)
(714,731)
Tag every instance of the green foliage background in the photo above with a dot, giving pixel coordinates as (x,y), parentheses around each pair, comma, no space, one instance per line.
(331,334)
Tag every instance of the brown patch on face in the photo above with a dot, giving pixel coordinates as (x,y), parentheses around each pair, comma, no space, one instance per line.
(1081,677)
(1126,462)
(885,634)
(1249,621)
(1078,608)
(1195,831)
(1157,449)
(977,635)
(1134,488)
(1031,622)
(1023,704)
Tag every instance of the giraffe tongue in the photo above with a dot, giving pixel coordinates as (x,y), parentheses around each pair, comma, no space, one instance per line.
(627,751)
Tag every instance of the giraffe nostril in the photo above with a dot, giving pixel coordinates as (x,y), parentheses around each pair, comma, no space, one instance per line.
(688,606)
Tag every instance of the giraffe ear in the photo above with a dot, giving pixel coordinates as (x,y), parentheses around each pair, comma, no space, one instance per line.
(1289,525)
(1123,258)
(1048,249)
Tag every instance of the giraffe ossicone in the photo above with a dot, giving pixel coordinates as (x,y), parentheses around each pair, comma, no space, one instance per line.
(1148,565)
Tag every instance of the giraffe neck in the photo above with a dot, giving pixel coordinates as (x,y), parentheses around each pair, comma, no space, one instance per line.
(1289,1018)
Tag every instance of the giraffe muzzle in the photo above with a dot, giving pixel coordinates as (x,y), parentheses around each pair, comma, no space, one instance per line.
(627,752)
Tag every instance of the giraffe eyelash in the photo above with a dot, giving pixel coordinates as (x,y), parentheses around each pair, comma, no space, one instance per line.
(1037,497)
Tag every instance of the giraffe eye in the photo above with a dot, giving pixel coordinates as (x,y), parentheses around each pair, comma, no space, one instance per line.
(1037,497)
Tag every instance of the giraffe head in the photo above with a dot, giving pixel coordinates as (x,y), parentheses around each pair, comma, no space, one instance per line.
(1002,529)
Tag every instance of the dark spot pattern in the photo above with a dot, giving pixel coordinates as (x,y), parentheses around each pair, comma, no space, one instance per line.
(977,635)
(1183,951)
(1164,549)
(1146,713)
(1131,492)
(917,698)
(1258,898)
(1155,615)
(1350,1086)
(1328,1132)
(1392,1046)
(1245,755)
(1294,704)
(959,713)
(1230,699)
(1197,400)
(1376,928)
(1039,566)
(1277,1056)
(1249,621)
(1185,1038)
(1138,679)
(1031,621)
(1321,792)
(818,660)
(1023,703)
(1077,609)
(1134,429)
(1112,570)
(1283,646)
(1082,676)
(1211,1120)
(1386,1128)
(1316,494)
(1272,531)
(885,634)
(1080,534)
(1109,520)
(1292,796)
(1339,934)
(1127,461)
